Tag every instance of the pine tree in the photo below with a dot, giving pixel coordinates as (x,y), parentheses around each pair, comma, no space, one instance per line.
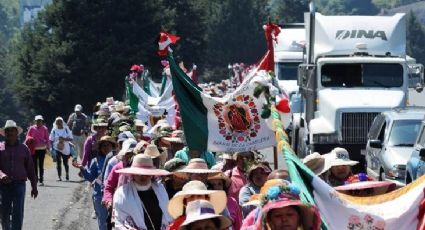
(415,38)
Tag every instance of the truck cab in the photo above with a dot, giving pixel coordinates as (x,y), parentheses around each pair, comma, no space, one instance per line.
(355,68)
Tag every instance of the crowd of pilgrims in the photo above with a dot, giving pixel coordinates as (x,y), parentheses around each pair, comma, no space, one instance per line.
(152,180)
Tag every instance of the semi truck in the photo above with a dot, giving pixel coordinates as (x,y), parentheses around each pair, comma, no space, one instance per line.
(288,54)
(355,68)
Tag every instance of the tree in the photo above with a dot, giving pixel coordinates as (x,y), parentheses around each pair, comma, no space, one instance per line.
(234,34)
(80,51)
(415,38)
(288,11)
(344,7)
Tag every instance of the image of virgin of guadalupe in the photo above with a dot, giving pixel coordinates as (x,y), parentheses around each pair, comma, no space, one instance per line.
(238,119)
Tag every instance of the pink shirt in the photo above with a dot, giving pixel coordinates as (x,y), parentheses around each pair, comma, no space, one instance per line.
(235,212)
(238,181)
(111,183)
(40,136)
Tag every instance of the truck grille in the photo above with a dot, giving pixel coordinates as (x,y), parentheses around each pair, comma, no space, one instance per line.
(355,126)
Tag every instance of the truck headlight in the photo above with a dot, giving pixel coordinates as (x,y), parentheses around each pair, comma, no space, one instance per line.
(325,138)
(397,171)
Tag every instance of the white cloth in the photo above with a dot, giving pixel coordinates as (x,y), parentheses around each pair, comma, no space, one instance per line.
(128,206)
(65,132)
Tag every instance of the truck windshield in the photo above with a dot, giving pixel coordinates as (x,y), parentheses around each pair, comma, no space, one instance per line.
(404,132)
(362,75)
(287,71)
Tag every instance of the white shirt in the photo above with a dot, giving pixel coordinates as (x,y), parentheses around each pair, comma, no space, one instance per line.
(65,133)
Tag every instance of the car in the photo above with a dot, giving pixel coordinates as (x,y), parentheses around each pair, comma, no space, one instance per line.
(416,165)
(390,143)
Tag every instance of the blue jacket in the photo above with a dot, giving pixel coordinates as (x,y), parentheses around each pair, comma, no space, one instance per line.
(93,174)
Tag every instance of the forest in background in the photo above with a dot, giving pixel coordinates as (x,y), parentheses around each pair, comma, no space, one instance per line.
(80,51)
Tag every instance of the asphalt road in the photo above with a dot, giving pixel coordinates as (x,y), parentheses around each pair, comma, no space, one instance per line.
(59,205)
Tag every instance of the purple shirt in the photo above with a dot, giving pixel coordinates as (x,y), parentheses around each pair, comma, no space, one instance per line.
(89,150)
(17,164)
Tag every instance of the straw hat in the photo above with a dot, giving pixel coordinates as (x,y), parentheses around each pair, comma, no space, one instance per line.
(140,147)
(221,176)
(140,123)
(100,122)
(176,137)
(10,124)
(218,198)
(153,152)
(143,165)
(197,165)
(261,165)
(376,187)
(316,163)
(284,196)
(78,108)
(203,210)
(174,164)
(339,157)
(362,182)
(127,147)
(107,139)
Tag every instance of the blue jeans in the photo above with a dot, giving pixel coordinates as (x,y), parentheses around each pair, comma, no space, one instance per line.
(101,212)
(12,199)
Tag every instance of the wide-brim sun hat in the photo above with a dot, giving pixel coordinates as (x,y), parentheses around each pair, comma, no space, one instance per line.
(143,165)
(107,139)
(203,210)
(199,166)
(152,151)
(140,123)
(256,198)
(317,163)
(127,147)
(377,187)
(221,176)
(176,205)
(309,214)
(176,137)
(260,165)
(339,157)
(10,124)
(288,196)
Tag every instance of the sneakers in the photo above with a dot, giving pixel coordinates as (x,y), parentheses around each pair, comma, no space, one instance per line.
(93,215)
(59,179)
(41,184)
(67,177)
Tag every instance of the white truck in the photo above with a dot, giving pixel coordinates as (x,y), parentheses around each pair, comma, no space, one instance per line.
(355,68)
(288,54)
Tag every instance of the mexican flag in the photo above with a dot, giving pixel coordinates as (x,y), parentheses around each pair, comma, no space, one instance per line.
(232,123)
(401,209)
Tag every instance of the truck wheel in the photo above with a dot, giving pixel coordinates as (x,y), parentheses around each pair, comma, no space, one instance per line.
(408,178)
(381,175)
(294,139)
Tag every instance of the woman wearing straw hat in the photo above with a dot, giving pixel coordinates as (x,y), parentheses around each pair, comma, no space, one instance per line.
(100,128)
(193,190)
(257,176)
(222,182)
(339,165)
(197,169)
(201,215)
(142,202)
(283,209)
(362,185)
(158,157)
(61,136)
(174,183)
(93,174)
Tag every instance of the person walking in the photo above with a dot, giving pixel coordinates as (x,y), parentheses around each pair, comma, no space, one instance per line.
(60,136)
(79,124)
(40,134)
(16,166)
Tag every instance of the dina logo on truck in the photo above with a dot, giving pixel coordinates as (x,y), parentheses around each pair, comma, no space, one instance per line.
(369,34)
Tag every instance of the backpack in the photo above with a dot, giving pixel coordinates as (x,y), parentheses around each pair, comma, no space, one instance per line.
(78,123)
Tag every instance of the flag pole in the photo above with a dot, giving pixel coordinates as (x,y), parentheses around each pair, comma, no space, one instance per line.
(275,157)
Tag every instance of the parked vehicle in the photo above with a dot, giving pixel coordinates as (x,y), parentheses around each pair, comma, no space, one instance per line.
(353,72)
(416,165)
(390,143)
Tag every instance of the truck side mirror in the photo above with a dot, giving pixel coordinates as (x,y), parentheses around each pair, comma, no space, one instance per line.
(305,75)
(416,76)
(422,152)
(375,144)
